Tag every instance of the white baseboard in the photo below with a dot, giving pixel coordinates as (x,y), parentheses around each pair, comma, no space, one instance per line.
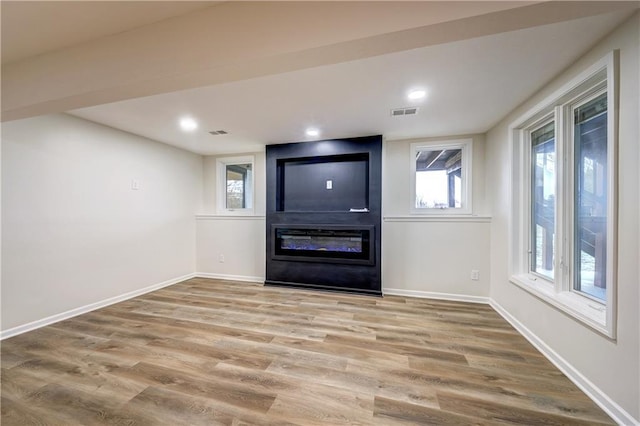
(434,295)
(4,334)
(244,278)
(609,406)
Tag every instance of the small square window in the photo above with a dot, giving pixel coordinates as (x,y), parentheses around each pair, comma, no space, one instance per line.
(441,175)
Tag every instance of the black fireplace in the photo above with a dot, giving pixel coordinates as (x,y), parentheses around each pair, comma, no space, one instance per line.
(324,214)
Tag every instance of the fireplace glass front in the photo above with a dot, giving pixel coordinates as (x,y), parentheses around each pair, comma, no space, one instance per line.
(315,243)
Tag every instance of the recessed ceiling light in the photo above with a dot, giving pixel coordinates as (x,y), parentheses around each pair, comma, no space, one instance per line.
(188,124)
(415,95)
(312,132)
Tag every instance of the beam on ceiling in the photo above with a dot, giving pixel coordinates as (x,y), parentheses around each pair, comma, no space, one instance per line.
(241,40)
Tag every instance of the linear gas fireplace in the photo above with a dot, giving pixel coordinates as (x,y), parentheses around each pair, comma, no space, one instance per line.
(323,243)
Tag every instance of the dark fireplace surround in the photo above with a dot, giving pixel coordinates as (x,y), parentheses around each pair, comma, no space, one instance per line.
(323,215)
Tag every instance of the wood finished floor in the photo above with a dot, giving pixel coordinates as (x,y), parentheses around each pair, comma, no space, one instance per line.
(217,352)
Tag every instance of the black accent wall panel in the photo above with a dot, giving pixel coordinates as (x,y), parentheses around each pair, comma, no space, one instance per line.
(305,185)
(297,195)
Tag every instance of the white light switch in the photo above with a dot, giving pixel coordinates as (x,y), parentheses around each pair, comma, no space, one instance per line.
(329,184)
(135,184)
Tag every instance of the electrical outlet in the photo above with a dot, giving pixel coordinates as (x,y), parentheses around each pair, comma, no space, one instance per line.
(221,258)
(329,184)
(475,274)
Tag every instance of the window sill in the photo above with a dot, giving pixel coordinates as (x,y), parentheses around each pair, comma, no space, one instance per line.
(235,212)
(228,217)
(581,308)
(440,212)
(438,218)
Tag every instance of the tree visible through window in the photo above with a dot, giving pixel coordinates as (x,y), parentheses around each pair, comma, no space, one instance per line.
(237,185)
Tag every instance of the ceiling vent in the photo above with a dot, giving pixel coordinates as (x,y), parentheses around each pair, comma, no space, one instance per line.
(396,112)
(218,132)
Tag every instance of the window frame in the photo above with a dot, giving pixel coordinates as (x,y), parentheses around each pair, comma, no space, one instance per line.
(221,186)
(466,146)
(601,77)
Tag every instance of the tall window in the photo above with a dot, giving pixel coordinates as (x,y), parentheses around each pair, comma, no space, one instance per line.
(563,226)
(235,185)
(591,201)
(441,172)
(543,199)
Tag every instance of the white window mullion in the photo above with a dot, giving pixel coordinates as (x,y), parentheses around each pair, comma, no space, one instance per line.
(525,201)
(563,223)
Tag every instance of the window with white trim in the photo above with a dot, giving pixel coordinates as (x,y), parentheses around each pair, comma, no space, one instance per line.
(441,174)
(563,198)
(235,185)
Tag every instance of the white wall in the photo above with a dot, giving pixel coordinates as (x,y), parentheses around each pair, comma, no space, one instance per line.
(613,367)
(431,256)
(73,230)
(239,239)
(241,242)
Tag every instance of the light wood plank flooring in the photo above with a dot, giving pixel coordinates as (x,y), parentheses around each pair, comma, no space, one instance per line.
(217,352)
